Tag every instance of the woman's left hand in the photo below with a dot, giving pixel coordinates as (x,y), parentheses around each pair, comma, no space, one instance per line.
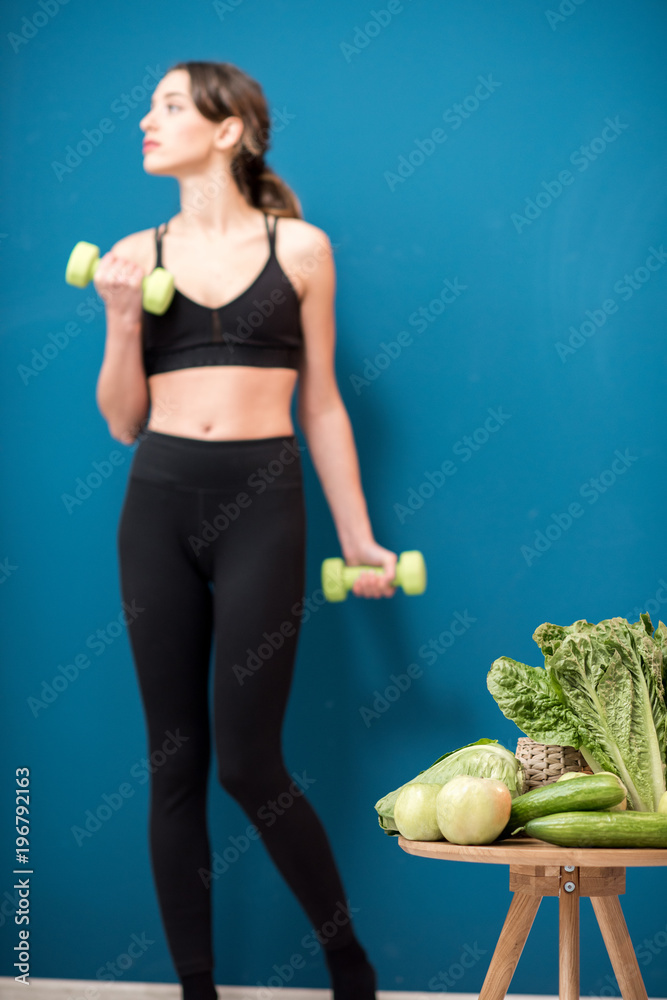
(373,583)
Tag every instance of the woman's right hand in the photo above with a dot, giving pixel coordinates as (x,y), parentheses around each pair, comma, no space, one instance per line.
(120,283)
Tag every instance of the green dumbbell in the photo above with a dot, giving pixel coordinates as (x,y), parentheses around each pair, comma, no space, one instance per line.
(158,287)
(338,578)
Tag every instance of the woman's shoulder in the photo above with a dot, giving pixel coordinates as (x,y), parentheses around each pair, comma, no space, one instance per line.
(137,247)
(302,238)
(300,246)
(299,229)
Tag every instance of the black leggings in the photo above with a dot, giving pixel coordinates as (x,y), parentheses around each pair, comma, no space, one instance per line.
(211,540)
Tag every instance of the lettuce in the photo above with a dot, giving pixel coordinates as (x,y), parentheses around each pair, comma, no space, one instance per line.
(602,690)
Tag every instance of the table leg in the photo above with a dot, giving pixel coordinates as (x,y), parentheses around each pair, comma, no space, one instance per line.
(619,946)
(510,944)
(568,937)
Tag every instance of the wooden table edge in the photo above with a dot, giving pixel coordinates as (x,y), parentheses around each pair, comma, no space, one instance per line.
(530,851)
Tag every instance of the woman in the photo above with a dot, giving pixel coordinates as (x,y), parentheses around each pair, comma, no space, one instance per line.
(211,537)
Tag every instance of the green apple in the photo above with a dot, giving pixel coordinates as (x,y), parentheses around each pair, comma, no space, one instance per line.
(414,811)
(472,810)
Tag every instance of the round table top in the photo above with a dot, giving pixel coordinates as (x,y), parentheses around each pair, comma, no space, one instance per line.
(528,851)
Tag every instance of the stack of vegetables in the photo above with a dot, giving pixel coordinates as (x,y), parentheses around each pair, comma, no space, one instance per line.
(602,691)
(485,776)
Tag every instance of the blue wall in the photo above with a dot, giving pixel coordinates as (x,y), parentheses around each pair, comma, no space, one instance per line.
(556,324)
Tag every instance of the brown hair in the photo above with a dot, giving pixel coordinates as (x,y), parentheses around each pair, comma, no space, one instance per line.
(220,89)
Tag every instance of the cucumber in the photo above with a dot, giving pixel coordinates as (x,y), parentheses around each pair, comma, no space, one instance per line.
(600,829)
(598,791)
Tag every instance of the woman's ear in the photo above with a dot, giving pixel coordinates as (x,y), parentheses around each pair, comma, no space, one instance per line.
(229,134)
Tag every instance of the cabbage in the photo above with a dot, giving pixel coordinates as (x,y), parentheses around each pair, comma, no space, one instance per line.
(482,759)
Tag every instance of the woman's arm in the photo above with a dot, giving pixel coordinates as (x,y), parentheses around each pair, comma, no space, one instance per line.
(326,424)
(122,391)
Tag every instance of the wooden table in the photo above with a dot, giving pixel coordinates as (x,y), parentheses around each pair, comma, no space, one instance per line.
(538,869)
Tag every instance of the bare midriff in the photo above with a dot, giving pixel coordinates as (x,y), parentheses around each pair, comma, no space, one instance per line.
(222,402)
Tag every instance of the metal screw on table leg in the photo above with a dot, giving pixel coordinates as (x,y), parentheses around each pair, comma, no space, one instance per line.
(569,887)
(569,868)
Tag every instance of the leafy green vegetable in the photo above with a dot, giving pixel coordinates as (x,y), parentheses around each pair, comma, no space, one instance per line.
(528,696)
(660,639)
(484,759)
(602,690)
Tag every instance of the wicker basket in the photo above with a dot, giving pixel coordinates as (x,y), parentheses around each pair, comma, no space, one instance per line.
(545,762)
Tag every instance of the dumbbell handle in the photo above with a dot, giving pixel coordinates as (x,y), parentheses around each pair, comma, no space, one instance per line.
(350,574)
(94,266)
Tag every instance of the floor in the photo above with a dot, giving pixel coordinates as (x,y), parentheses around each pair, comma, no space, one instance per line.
(81,989)
(94,989)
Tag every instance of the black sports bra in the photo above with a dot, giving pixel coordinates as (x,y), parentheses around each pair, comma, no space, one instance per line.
(260,327)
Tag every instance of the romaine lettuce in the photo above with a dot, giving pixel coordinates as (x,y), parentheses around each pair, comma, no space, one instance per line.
(602,691)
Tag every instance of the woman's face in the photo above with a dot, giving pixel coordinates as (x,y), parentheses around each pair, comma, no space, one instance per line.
(186,141)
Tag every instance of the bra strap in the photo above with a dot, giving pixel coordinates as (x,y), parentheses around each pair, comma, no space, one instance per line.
(271,232)
(158,244)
